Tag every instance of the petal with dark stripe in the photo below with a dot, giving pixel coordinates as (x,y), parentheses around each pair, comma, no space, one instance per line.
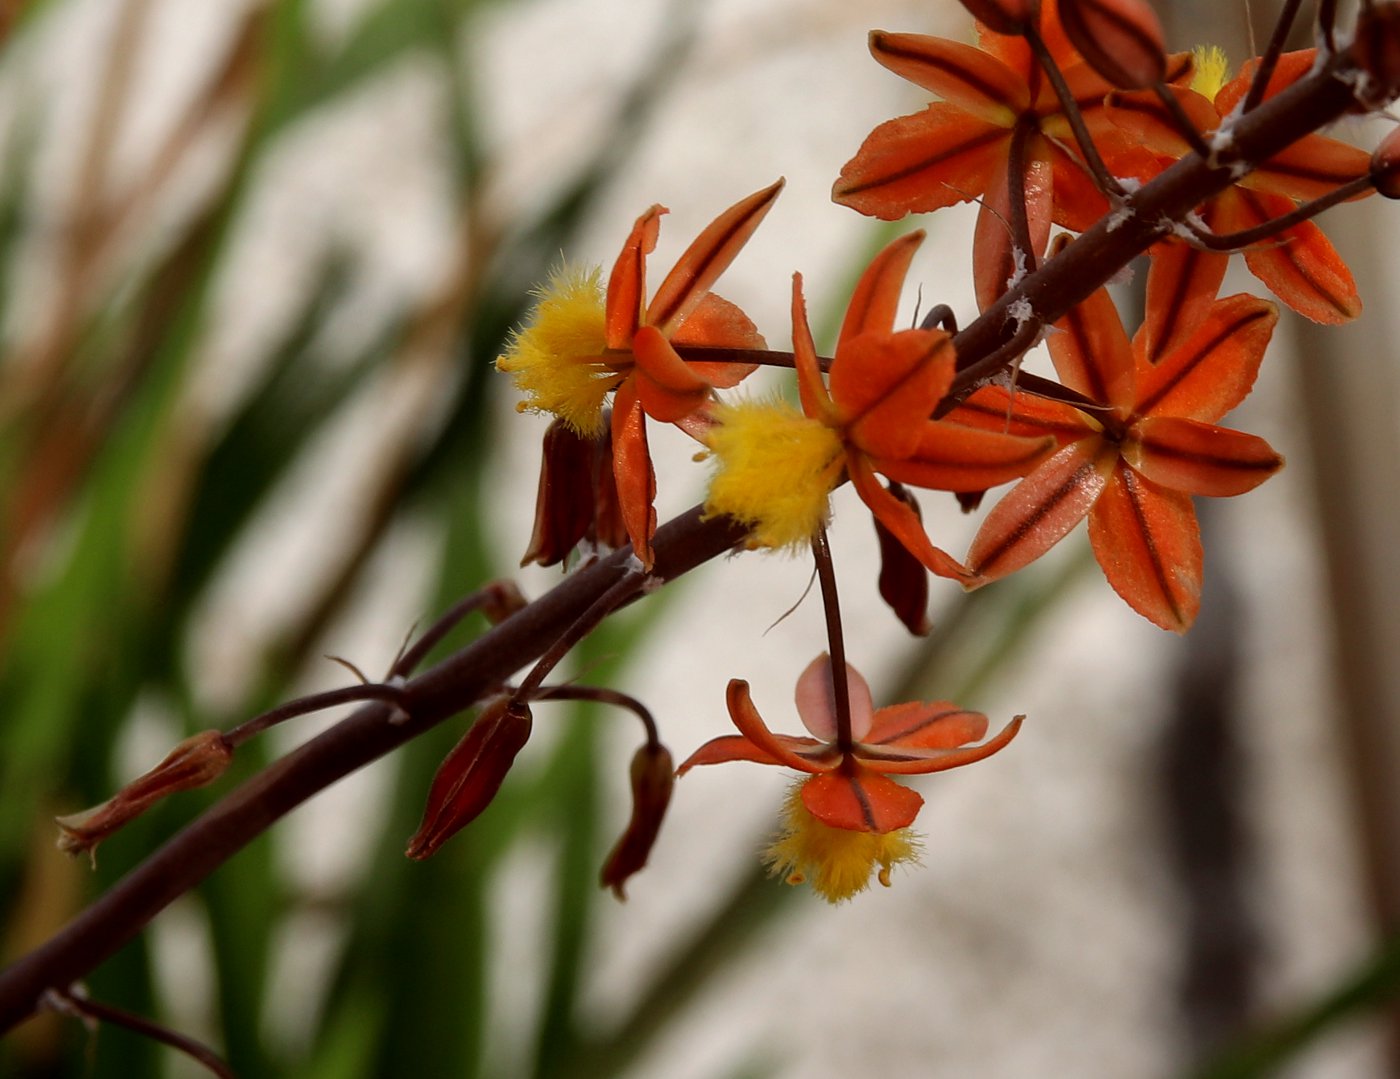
(781,747)
(735,747)
(1092,354)
(925,725)
(995,260)
(1310,168)
(860,800)
(1144,119)
(960,74)
(902,522)
(667,387)
(950,457)
(875,301)
(1199,458)
(886,386)
(997,409)
(899,761)
(1181,286)
(636,480)
(1148,543)
(627,283)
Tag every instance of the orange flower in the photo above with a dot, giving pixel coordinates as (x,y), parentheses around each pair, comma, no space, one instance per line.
(997,106)
(1299,265)
(1132,467)
(849,790)
(580,347)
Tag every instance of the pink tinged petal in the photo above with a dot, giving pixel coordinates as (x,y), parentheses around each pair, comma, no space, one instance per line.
(636,480)
(1148,543)
(708,257)
(886,385)
(816,402)
(1300,266)
(735,747)
(1181,287)
(782,748)
(1092,354)
(997,409)
(666,386)
(949,457)
(1042,509)
(925,725)
(875,300)
(1214,369)
(994,257)
(960,74)
(1199,458)
(627,282)
(902,522)
(860,800)
(816,700)
(914,761)
(920,163)
(717,323)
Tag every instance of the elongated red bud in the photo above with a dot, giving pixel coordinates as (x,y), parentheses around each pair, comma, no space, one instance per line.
(1003,16)
(1120,39)
(1376,50)
(653,776)
(564,503)
(1385,165)
(471,774)
(903,578)
(195,762)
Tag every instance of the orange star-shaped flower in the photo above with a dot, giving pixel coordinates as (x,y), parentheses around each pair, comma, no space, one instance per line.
(997,106)
(1299,265)
(577,350)
(1132,467)
(849,816)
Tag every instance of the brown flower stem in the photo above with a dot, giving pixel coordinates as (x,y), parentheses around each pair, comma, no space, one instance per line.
(1272,52)
(1106,181)
(622,592)
(1183,122)
(682,544)
(82,1007)
(1269,230)
(1016,196)
(315,702)
(603,695)
(836,641)
(496,598)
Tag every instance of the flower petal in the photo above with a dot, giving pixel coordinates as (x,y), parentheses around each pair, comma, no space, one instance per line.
(1145,120)
(919,163)
(1214,369)
(780,747)
(717,323)
(708,257)
(925,725)
(1181,286)
(1042,508)
(627,282)
(735,747)
(816,699)
(860,800)
(902,522)
(995,261)
(669,390)
(898,760)
(962,75)
(1310,168)
(876,297)
(950,457)
(1148,543)
(1093,355)
(886,385)
(816,401)
(636,480)
(1199,458)
(997,409)
(903,579)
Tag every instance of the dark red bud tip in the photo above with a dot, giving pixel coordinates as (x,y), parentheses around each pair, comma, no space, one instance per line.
(195,762)
(1003,16)
(653,776)
(1385,165)
(471,774)
(903,578)
(1376,51)
(503,599)
(1120,39)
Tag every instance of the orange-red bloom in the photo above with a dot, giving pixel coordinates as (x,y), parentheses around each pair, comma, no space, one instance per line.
(1298,265)
(884,385)
(850,786)
(996,100)
(1132,467)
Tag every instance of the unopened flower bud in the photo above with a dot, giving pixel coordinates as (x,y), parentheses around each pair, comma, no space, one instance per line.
(1385,165)
(195,762)
(1003,16)
(653,776)
(903,578)
(1376,50)
(471,774)
(503,599)
(577,497)
(1120,39)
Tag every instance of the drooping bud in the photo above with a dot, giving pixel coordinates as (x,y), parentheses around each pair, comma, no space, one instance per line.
(471,774)
(903,578)
(195,762)
(1376,50)
(1003,16)
(577,498)
(1385,165)
(503,599)
(653,776)
(1120,39)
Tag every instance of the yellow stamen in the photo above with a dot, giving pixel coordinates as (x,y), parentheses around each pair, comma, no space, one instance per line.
(557,358)
(1212,70)
(835,861)
(775,469)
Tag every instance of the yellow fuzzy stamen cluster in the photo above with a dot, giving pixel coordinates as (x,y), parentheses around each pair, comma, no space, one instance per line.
(1212,70)
(775,468)
(557,358)
(837,863)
